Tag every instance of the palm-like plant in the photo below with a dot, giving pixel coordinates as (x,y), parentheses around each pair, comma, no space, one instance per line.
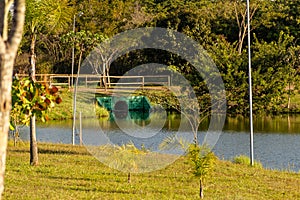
(45,16)
(203,162)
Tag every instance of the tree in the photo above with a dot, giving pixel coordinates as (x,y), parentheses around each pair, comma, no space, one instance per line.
(83,41)
(274,71)
(31,99)
(277,16)
(241,19)
(201,158)
(233,68)
(203,162)
(47,15)
(10,39)
(126,157)
(110,17)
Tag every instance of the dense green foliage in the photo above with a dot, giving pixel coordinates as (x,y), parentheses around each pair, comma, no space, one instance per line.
(219,26)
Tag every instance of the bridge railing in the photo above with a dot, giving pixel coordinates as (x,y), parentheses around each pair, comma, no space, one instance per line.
(97,81)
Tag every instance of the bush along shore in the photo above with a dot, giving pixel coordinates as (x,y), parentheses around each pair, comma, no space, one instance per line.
(90,108)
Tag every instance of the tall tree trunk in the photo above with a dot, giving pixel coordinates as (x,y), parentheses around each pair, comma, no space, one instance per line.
(6,64)
(9,42)
(34,160)
(32,58)
(33,142)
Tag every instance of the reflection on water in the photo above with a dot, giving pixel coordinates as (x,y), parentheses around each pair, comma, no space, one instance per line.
(276,139)
(265,124)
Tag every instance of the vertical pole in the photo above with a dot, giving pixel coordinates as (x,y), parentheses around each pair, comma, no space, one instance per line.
(74,122)
(86,81)
(72,84)
(73,52)
(80,129)
(69,82)
(74,100)
(74,114)
(250,86)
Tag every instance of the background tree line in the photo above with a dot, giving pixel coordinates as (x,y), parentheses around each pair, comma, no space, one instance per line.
(218,25)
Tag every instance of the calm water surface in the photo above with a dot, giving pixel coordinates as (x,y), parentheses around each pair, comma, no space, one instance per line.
(276,139)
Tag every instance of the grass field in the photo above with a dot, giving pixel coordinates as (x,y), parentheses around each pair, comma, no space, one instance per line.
(85,104)
(70,172)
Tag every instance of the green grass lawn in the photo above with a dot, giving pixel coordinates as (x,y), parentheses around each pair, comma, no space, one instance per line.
(70,172)
(85,104)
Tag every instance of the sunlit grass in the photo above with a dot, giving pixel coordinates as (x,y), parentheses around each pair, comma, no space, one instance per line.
(70,172)
(85,104)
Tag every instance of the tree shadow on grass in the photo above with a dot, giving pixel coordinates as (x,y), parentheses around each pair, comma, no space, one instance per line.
(43,150)
(60,151)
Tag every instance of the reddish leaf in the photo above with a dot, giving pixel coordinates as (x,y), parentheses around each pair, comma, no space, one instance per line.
(47,101)
(54,89)
(58,100)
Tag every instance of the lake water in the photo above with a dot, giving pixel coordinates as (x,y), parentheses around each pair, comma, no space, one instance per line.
(276,139)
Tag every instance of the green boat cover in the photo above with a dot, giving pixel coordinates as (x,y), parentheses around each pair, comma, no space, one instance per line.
(132,103)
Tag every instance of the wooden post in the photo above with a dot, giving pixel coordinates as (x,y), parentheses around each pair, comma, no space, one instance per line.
(86,81)
(101,81)
(69,81)
(80,129)
(143,80)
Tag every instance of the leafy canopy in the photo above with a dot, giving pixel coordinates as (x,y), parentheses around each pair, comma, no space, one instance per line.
(30,98)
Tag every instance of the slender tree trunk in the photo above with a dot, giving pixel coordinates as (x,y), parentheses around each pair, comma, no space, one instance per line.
(33,142)
(242,26)
(107,73)
(34,160)
(108,79)
(5,5)
(129,177)
(9,42)
(16,134)
(104,76)
(242,36)
(75,99)
(201,190)
(242,23)
(289,98)
(32,58)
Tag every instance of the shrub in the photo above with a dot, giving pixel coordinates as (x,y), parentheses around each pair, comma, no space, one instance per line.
(245,160)
(101,112)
